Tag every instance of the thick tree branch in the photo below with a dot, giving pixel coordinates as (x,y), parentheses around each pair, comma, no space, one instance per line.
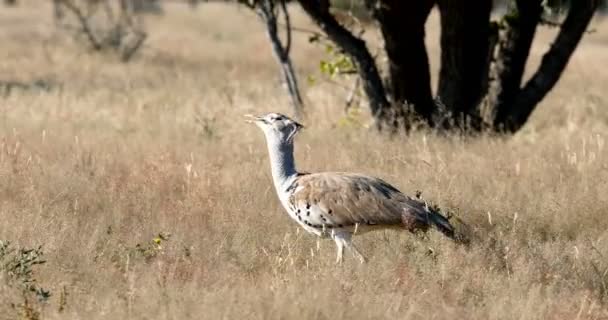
(354,47)
(553,63)
(287,26)
(266,11)
(515,40)
(402,26)
(465,31)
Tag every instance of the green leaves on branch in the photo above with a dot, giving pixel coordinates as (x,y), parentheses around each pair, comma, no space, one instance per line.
(337,64)
(18,265)
(335,68)
(17,270)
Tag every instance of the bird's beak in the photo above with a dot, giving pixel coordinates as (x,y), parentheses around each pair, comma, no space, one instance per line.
(252,119)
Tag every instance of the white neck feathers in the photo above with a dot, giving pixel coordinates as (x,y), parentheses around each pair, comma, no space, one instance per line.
(282,162)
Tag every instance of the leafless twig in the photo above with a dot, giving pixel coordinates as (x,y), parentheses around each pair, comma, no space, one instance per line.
(123,34)
(265,9)
(84,23)
(352,93)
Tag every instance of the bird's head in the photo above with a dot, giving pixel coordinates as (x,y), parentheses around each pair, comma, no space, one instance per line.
(276,126)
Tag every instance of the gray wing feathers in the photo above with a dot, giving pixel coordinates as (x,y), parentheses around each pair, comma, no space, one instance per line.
(348,199)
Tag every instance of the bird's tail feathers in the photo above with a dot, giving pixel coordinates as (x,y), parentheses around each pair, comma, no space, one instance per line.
(441,223)
(423,217)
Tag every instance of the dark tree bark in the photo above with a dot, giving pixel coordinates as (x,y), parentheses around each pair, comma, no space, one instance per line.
(514,43)
(473,68)
(354,47)
(402,26)
(465,34)
(266,11)
(552,65)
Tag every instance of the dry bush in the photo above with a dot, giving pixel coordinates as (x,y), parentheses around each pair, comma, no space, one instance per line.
(104,25)
(151,198)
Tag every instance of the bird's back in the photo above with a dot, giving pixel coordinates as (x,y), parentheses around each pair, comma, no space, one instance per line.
(340,200)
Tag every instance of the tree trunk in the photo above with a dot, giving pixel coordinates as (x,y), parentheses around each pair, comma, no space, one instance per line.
(468,41)
(402,26)
(265,10)
(465,34)
(513,116)
(515,40)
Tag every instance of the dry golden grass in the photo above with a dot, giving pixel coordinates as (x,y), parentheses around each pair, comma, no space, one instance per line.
(122,152)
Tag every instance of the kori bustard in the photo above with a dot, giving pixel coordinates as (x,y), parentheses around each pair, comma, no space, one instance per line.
(338,204)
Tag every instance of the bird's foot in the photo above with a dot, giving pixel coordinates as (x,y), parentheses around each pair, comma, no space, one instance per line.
(339,260)
(361,257)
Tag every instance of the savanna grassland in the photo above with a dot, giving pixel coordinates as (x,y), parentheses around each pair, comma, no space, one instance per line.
(151,198)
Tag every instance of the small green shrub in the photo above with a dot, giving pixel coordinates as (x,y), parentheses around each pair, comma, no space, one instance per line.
(17,267)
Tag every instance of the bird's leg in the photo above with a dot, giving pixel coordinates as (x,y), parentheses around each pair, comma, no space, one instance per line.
(343,239)
(339,246)
(340,249)
(356,252)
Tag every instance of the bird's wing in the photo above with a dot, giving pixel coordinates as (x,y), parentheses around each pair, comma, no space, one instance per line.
(335,199)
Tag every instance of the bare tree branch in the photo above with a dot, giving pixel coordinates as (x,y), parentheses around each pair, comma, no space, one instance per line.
(355,47)
(553,63)
(84,23)
(128,52)
(266,11)
(352,93)
(120,31)
(314,35)
(287,26)
(515,37)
